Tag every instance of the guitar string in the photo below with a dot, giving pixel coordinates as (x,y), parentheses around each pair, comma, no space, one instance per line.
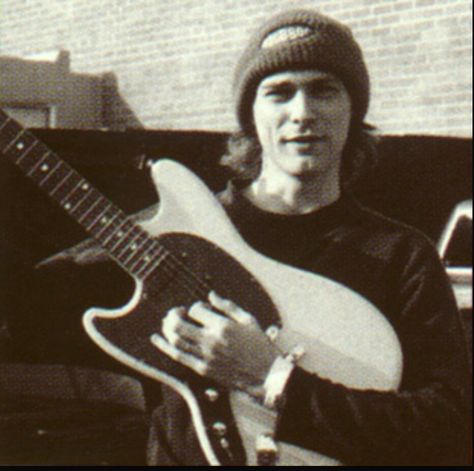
(190,281)
(195,285)
(186,282)
(199,287)
(194,280)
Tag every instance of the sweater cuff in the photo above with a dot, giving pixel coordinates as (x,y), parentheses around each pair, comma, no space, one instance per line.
(296,418)
(276,381)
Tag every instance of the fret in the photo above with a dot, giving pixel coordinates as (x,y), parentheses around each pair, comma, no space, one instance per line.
(67,201)
(145,258)
(141,250)
(115,232)
(120,237)
(24,152)
(94,214)
(134,247)
(106,236)
(29,160)
(44,169)
(131,244)
(107,223)
(10,131)
(19,145)
(89,210)
(65,186)
(48,172)
(6,121)
(154,260)
(153,266)
(83,196)
(56,179)
(127,242)
(144,263)
(9,135)
(101,217)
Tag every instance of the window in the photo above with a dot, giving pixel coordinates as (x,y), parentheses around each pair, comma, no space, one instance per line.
(32,116)
(459,249)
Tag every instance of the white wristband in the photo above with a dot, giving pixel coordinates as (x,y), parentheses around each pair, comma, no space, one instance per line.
(277,377)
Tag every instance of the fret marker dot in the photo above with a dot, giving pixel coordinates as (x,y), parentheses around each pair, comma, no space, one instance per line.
(67,206)
(133,247)
(44,168)
(119,234)
(147,258)
(104,220)
(85,186)
(20,146)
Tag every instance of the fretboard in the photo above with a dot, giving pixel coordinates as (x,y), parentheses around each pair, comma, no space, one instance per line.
(125,241)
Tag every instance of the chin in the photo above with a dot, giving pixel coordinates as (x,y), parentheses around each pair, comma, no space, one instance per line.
(304,171)
(307,165)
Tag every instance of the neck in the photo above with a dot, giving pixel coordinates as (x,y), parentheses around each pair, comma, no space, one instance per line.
(281,193)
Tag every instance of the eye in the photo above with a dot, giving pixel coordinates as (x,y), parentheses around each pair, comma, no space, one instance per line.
(324,90)
(279,93)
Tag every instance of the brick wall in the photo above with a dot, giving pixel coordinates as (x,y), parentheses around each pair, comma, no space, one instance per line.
(173,59)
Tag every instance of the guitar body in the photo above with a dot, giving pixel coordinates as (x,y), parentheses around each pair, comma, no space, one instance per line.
(319,314)
(188,248)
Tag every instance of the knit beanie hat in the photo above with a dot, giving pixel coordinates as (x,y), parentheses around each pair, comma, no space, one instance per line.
(297,40)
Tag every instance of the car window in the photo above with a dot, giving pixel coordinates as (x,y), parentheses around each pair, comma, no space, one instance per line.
(459,250)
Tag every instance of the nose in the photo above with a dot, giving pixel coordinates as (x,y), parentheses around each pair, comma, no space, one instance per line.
(301,108)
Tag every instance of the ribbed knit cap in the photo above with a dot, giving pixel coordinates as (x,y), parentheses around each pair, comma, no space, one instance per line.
(297,40)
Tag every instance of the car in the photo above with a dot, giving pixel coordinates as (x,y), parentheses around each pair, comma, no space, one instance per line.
(455,249)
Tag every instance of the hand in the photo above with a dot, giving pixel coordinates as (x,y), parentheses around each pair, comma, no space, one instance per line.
(226,345)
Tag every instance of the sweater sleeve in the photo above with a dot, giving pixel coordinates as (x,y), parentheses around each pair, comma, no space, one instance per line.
(425,422)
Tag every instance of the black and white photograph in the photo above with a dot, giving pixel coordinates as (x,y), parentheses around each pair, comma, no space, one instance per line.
(236,233)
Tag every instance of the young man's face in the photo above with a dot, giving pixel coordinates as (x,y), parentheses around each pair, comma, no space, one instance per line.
(302,120)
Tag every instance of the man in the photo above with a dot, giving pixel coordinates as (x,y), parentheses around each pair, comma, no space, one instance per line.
(302,92)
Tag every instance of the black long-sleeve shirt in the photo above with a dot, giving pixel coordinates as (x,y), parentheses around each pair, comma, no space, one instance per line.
(398,270)
(425,422)
(395,267)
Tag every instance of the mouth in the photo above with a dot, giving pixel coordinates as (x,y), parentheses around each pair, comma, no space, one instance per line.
(303,139)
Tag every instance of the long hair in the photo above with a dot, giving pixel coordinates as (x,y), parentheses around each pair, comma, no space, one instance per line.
(244,152)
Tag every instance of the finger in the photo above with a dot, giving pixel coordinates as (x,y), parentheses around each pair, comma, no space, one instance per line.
(170,323)
(186,359)
(174,326)
(191,347)
(231,309)
(205,316)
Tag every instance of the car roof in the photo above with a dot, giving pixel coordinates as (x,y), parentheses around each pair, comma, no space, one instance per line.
(463,209)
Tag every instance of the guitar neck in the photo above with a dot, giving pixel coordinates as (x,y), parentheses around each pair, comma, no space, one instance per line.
(125,241)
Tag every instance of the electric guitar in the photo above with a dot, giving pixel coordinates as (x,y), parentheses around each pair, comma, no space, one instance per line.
(186,249)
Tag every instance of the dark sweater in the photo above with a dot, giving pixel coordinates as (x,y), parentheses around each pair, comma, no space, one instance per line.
(393,266)
(398,270)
